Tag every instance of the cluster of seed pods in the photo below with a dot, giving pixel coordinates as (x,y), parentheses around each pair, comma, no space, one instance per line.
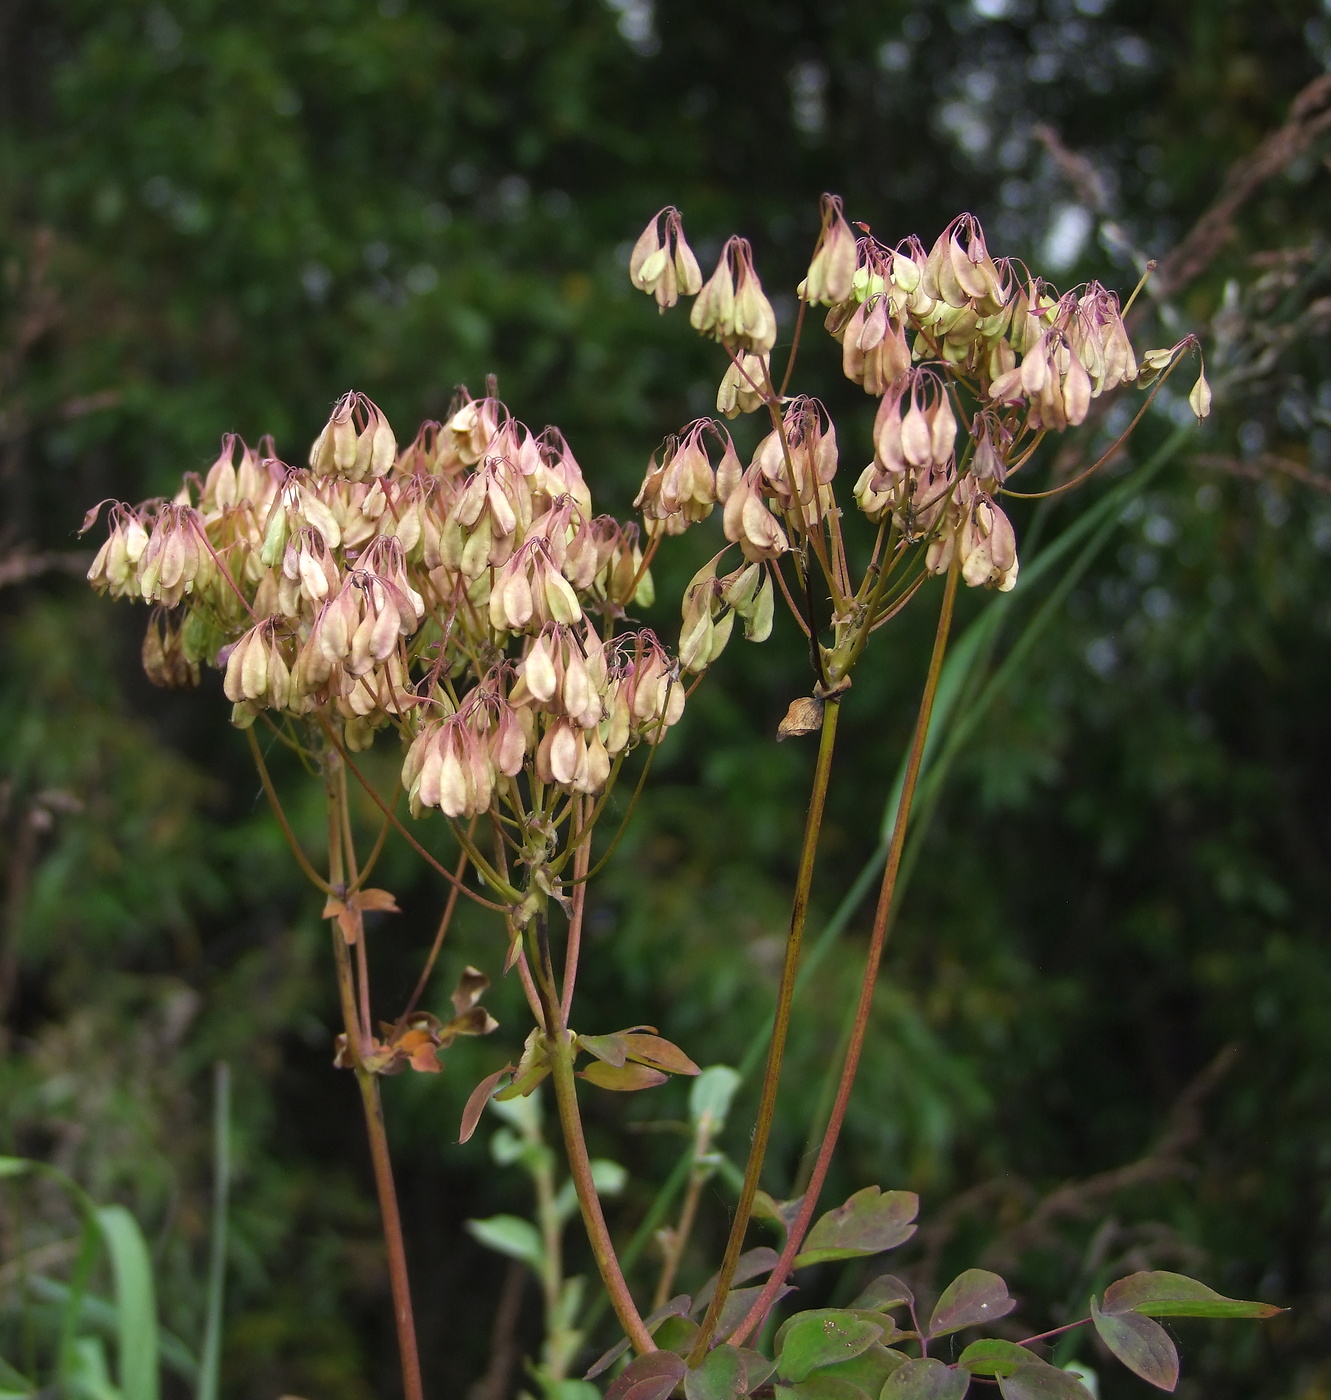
(460,590)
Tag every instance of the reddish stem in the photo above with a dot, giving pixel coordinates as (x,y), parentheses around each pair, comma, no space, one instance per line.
(800,1226)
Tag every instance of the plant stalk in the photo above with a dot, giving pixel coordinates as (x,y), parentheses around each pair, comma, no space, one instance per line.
(780,1026)
(580,1168)
(887,891)
(370,1101)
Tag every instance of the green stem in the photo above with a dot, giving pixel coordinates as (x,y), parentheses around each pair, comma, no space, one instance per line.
(580,1168)
(886,893)
(780,1026)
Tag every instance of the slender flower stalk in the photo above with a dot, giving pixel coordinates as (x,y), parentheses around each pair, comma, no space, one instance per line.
(780,1028)
(370,1100)
(877,939)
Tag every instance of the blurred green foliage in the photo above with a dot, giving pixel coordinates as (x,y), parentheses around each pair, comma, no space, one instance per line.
(219,217)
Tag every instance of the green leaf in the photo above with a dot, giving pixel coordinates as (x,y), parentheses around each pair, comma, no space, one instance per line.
(974,1297)
(720,1377)
(650,1377)
(89,1375)
(12,1166)
(884,1292)
(821,1387)
(710,1095)
(624,1079)
(868,1223)
(1039,1381)
(609,1048)
(757,1367)
(509,1234)
(869,1370)
(1156,1293)
(136,1303)
(994,1357)
(1143,1346)
(574,1390)
(926,1379)
(676,1334)
(813,1342)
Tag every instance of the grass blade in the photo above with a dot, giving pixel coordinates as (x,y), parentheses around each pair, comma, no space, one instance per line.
(136,1303)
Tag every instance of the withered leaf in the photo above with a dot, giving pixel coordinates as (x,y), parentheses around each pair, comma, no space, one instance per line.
(805,716)
(477,1099)
(658,1052)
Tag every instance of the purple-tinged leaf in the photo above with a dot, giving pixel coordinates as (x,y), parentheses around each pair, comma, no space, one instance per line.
(814,1342)
(926,1379)
(750,1264)
(736,1307)
(868,1223)
(994,1357)
(1156,1293)
(1040,1381)
(885,1292)
(1143,1346)
(674,1307)
(649,1377)
(781,1213)
(476,1101)
(721,1376)
(757,1368)
(658,1052)
(971,1298)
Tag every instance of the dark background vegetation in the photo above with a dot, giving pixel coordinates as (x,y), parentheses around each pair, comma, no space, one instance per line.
(1115,948)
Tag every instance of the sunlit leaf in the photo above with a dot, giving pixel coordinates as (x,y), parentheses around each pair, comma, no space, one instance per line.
(971,1298)
(1143,1346)
(813,1342)
(868,1223)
